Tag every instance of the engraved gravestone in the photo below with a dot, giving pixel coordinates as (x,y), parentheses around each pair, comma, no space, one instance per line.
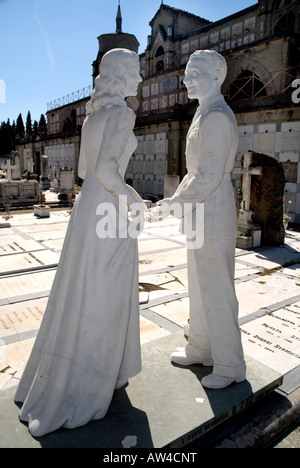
(21,320)
(275,339)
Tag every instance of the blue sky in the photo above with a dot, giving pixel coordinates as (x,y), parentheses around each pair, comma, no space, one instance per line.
(47,46)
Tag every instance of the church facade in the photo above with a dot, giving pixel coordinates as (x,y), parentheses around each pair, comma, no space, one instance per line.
(261,46)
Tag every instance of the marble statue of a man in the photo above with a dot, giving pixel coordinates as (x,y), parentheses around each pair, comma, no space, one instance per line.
(212,141)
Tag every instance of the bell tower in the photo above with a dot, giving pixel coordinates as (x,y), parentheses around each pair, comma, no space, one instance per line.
(114,41)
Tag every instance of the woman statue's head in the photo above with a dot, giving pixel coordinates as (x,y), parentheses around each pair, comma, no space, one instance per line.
(119,78)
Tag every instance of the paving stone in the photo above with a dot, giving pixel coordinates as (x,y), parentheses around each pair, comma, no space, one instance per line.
(176,311)
(273,257)
(264,291)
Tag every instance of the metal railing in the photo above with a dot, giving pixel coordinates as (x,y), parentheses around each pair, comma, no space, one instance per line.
(70,98)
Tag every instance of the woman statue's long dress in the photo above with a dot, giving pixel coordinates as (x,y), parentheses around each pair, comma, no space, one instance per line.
(89,339)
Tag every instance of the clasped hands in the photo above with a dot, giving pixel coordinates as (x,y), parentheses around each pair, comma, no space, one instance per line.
(160,212)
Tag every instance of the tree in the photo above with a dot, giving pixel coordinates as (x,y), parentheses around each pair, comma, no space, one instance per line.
(28,126)
(42,126)
(7,138)
(20,130)
(35,130)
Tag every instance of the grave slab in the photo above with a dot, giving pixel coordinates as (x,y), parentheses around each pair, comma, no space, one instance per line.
(153,245)
(28,261)
(275,339)
(16,244)
(264,291)
(21,320)
(14,288)
(176,311)
(43,226)
(56,244)
(161,262)
(293,270)
(242,270)
(42,236)
(182,276)
(273,257)
(15,357)
(157,280)
(165,406)
(6,230)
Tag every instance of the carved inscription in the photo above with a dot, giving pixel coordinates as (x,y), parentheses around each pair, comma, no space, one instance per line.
(275,339)
(13,318)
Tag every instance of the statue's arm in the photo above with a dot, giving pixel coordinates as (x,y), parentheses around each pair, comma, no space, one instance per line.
(82,166)
(212,146)
(117,130)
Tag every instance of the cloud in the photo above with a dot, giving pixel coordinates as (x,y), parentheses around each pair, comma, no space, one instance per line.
(46,38)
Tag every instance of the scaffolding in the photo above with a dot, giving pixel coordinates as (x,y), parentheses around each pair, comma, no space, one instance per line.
(226,38)
(273,83)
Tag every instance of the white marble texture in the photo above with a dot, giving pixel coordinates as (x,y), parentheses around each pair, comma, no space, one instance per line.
(89,342)
(212,143)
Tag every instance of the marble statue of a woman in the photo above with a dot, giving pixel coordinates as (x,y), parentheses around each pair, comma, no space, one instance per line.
(89,339)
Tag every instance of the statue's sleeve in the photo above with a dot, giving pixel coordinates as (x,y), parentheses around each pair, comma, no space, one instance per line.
(208,148)
(117,130)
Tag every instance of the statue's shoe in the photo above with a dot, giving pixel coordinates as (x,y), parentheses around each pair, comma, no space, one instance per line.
(183,359)
(217,382)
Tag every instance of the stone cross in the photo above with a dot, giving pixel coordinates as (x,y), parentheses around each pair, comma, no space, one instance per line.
(247,171)
(9,169)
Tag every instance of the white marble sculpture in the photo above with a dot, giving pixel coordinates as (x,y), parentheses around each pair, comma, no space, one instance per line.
(89,340)
(212,141)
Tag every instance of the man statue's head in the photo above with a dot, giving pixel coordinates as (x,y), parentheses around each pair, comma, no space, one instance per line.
(205,73)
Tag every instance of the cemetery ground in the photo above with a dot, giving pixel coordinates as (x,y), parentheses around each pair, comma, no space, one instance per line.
(268,289)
